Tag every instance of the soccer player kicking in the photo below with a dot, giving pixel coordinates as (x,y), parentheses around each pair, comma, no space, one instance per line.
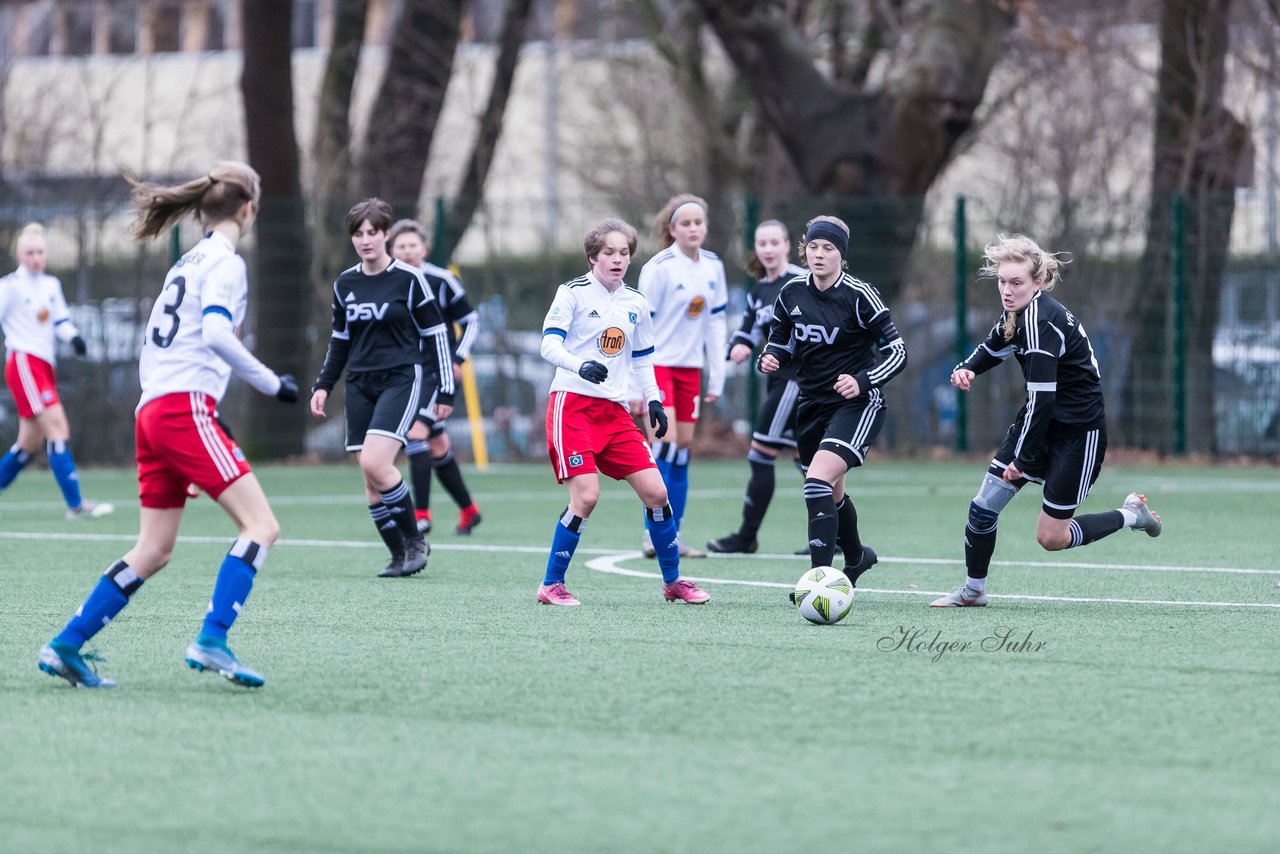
(1059,437)
(189,351)
(832,326)
(596,333)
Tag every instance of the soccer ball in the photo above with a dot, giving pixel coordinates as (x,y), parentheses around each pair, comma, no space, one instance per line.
(824,595)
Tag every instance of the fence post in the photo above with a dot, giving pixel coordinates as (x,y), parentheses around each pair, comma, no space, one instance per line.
(175,244)
(438,234)
(1179,271)
(962,326)
(752,219)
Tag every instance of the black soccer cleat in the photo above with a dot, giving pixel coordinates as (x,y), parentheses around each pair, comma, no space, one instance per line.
(869,559)
(733,543)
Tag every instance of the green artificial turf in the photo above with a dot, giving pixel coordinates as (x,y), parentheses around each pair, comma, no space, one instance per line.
(449,712)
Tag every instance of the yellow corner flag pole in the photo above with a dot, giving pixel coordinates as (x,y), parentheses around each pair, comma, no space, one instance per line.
(475,419)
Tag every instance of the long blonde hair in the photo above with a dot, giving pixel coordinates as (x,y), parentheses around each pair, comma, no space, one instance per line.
(753,264)
(214,197)
(1017,248)
(662,222)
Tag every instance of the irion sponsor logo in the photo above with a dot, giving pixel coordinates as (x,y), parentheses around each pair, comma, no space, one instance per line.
(815,333)
(366,311)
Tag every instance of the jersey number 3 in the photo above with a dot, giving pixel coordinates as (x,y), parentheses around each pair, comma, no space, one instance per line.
(179,284)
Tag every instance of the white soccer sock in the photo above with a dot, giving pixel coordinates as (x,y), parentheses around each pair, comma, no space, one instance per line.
(978,584)
(1130,518)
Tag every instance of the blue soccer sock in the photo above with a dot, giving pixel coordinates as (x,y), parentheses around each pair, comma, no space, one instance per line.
(678,484)
(563,544)
(64,469)
(235,580)
(12,463)
(664,453)
(107,599)
(661,523)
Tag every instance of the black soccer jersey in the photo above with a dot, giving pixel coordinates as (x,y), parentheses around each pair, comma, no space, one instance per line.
(1063,382)
(456,309)
(757,319)
(383,322)
(845,329)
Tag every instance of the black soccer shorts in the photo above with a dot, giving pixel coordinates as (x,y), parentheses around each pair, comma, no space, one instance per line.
(845,427)
(435,426)
(382,403)
(776,423)
(1067,466)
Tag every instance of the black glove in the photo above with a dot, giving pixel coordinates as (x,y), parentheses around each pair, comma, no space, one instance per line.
(79,346)
(657,419)
(593,372)
(288,392)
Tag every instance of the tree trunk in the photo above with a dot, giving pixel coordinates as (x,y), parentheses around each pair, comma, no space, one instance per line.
(409,101)
(280,293)
(514,24)
(874,155)
(1199,146)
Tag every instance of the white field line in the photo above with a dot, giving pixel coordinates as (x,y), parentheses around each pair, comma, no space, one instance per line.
(609,564)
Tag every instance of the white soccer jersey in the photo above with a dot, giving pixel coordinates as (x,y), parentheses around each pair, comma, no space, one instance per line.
(592,324)
(210,278)
(688,297)
(32,313)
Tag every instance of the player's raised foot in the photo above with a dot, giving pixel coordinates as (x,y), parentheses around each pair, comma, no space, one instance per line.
(1147,521)
(868,560)
(91,510)
(733,543)
(422,518)
(212,654)
(555,594)
(414,560)
(646,545)
(687,552)
(963,596)
(468,518)
(685,591)
(70,664)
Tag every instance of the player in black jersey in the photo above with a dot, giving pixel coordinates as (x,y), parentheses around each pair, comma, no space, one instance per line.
(429,447)
(384,316)
(1059,436)
(776,422)
(838,330)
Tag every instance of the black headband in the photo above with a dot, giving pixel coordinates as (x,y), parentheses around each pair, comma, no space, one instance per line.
(823,230)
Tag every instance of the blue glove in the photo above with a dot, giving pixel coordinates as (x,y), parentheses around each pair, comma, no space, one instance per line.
(657,419)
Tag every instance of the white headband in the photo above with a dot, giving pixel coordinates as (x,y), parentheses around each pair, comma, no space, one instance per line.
(675,213)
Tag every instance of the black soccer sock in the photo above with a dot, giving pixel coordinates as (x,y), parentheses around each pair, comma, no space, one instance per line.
(759,493)
(978,548)
(387,528)
(847,537)
(400,507)
(419,456)
(451,478)
(1094,526)
(823,523)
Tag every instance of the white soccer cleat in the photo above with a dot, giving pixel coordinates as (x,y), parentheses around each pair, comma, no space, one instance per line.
(1147,521)
(963,596)
(91,510)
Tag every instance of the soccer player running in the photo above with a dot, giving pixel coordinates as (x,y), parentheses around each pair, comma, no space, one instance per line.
(190,348)
(385,319)
(687,293)
(838,331)
(429,446)
(776,421)
(597,332)
(1059,436)
(33,315)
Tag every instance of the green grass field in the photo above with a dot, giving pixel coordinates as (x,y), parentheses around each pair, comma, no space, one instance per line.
(449,712)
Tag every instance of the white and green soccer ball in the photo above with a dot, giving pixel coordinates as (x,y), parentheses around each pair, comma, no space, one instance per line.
(824,595)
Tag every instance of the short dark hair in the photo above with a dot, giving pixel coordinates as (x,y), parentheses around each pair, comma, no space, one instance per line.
(376,211)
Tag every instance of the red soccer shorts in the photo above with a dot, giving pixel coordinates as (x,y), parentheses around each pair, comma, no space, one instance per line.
(32,383)
(680,389)
(179,442)
(589,434)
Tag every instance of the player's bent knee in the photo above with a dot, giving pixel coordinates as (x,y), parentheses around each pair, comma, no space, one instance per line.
(1053,540)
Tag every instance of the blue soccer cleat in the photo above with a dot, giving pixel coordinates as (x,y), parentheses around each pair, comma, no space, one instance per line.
(66,662)
(212,654)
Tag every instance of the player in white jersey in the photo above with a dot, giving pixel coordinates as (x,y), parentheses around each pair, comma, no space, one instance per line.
(686,288)
(33,313)
(190,349)
(598,333)
(429,448)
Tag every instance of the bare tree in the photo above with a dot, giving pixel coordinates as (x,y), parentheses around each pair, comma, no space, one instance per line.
(282,291)
(1199,148)
(874,151)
